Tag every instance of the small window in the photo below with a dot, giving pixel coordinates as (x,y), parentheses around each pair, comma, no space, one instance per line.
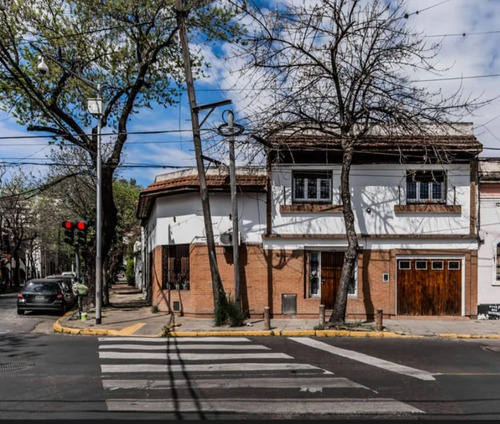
(454,265)
(314,274)
(437,264)
(404,265)
(312,186)
(425,187)
(420,264)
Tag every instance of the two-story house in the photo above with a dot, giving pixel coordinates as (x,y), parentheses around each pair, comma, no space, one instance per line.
(415,208)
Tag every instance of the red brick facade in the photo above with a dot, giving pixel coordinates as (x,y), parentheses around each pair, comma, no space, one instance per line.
(266,275)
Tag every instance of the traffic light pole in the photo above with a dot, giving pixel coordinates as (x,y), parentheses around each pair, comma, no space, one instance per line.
(98,258)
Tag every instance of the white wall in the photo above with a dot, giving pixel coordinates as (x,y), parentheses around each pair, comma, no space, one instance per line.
(178,219)
(488,286)
(379,188)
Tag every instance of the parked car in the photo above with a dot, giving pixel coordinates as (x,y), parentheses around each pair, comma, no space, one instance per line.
(46,294)
(67,280)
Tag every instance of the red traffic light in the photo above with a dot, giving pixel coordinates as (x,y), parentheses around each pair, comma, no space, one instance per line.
(68,224)
(81,225)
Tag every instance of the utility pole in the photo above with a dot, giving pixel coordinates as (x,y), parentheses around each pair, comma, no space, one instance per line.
(234,214)
(219,295)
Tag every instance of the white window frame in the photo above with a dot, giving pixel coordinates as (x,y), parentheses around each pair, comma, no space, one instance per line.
(318,294)
(349,295)
(404,269)
(306,186)
(437,269)
(420,269)
(430,184)
(495,280)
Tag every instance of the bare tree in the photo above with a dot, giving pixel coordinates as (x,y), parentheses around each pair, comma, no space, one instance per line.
(338,70)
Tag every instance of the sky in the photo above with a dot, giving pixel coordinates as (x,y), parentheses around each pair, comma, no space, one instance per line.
(468,29)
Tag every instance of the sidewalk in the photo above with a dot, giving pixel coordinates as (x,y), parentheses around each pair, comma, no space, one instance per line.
(129,315)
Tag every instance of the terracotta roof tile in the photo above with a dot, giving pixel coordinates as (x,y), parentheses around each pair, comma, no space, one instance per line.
(213,181)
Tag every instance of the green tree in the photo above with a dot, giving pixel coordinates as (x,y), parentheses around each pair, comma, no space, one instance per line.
(130,47)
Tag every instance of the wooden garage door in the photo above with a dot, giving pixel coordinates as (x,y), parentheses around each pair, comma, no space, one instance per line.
(429,286)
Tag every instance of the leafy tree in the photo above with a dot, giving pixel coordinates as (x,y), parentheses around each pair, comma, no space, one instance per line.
(336,69)
(129,47)
(17,229)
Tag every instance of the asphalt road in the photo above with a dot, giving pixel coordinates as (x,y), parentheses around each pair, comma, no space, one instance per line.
(60,376)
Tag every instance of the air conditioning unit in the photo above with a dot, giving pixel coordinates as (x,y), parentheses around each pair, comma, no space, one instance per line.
(226,239)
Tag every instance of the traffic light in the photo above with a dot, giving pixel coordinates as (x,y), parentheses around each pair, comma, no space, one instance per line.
(81,232)
(69,227)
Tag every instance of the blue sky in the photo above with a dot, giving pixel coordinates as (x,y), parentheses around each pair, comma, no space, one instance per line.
(474,57)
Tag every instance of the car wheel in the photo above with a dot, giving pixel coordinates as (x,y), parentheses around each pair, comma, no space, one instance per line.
(20,312)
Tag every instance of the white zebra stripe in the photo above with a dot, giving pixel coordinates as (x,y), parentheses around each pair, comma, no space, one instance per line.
(130,368)
(192,356)
(182,347)
(175,340)
(310,384)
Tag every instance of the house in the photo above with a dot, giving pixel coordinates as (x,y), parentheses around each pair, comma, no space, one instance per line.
(414,199)
(176,256)
(489,233)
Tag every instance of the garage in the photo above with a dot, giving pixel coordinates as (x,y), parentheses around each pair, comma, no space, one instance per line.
(429,286)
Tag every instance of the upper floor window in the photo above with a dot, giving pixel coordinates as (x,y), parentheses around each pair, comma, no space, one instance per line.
(314,186)
(426,187)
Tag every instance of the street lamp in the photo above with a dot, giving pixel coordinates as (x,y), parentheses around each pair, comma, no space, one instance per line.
(96,108)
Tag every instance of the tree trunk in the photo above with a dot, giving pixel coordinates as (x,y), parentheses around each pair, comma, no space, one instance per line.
(109,223)
(339,309)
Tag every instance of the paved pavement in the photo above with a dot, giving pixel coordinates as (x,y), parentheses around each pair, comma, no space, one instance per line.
(129,315)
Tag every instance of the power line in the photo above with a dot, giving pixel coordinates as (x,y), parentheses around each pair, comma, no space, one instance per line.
(19,137)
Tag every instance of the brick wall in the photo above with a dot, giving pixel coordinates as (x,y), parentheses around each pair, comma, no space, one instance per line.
(261,287)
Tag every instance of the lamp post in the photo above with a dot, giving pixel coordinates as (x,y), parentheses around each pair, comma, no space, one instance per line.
(96,108)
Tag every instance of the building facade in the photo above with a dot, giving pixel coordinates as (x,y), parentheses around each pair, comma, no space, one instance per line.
(489,239)
(416,223)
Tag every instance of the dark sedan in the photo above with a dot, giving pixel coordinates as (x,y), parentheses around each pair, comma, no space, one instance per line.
(45,295)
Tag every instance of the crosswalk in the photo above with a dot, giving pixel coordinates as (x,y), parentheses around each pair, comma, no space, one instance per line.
(227,375)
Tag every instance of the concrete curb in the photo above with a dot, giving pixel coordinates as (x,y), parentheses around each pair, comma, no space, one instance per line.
(129,331)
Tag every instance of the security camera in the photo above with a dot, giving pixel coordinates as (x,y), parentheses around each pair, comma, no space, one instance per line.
(42,67)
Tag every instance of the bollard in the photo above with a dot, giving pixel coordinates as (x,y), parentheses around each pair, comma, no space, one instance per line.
(322,315)
(378,322)
(267,318)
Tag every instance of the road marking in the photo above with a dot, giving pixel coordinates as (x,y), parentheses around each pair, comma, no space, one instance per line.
(182,347)
(132,329)
(366,359)
(174,341)
(192,356)
(311,384)
(491,374)
(287,406)
(127,368)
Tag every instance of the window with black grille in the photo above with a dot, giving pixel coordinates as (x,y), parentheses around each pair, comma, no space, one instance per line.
(312,186)
(426,187)
(175,267)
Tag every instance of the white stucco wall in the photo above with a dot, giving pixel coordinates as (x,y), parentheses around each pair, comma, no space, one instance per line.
(178,219)
(378,187)
(488,285)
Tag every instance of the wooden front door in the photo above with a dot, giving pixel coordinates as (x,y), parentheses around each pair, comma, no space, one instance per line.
(429,287)
(331,269)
